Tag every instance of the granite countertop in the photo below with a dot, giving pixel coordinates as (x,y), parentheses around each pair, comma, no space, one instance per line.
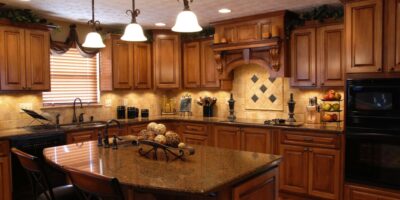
(208,170)
(16,132)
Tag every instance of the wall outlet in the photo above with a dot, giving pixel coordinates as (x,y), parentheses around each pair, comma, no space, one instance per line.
(27,106)
(108,103)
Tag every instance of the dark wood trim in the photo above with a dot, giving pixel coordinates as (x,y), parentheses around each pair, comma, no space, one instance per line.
(248,18)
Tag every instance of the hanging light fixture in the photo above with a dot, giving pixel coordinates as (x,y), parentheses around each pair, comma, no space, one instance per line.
(133,31)
(93,39)
(186,21)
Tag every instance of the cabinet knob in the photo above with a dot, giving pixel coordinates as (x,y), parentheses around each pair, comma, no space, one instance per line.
(310,150)
(308,139)
(305,148)
(392,69)
(379,69)
(313,84)
(322,83)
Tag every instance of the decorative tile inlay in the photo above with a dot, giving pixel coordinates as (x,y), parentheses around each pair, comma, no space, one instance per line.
(254,78)
(272,79)
(254,98)
(263,88)
(272,98)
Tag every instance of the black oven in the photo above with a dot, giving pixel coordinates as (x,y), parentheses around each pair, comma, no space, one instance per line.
(373,132)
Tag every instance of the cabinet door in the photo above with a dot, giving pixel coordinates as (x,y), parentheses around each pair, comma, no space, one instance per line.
(12,58)
(122,58)
(5,178)
(142,66)
(392,36)
(257,140)
(81,136)
(195,139)
(191,65)
(37,45)
(135,129)
(262,187)
(209,73)
(303,57)
(294,169)
(331,55)
(324,174)
(364,36)
(357,192)
(227,137)
(167,61)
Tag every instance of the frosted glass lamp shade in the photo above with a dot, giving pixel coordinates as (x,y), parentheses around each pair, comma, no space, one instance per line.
(133,33)
(186,22)
(93,40)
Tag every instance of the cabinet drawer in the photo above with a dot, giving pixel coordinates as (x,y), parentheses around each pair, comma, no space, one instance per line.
(195,139)
(81,136)
(135,129)
(4,148)
(310,139)
(197,129)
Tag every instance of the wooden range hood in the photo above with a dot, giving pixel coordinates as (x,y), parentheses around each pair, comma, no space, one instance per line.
(248,43)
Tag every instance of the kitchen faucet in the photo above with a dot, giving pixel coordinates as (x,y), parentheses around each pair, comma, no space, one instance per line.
(108,123)
(74,118)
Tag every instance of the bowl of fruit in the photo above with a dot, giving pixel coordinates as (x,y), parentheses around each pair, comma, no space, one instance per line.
(328,117)
(332,95)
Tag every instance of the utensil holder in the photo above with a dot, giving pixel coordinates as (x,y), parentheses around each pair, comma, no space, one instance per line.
(207,111)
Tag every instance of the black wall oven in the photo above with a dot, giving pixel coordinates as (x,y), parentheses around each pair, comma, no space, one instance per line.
(373,132)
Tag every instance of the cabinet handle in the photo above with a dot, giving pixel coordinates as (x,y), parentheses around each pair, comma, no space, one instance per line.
(379,69)
(310,150)
(305,149)
(308,139)
(392,69)
(313,84)
(322,84)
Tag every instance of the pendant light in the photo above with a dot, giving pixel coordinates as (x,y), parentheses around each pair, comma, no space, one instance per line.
(93,39)
(186,21)
(133,31)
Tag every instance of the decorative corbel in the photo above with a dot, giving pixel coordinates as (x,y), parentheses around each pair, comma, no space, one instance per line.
(246,55)
(274,58)
(218,60)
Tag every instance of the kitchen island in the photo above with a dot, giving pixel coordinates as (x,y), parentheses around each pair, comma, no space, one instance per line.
(211,173)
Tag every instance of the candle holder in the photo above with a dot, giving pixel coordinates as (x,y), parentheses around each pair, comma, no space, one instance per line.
(291,105)
(231,102)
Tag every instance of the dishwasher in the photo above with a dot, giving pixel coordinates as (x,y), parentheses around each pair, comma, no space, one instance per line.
(34,144)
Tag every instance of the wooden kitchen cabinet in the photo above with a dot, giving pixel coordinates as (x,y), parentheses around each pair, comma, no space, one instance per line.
(227,137)
(167,60)
(191,65)
(294,169)
(391,50)
(360,192)
(364,25)
(81,136)
(195,139)
(260,188)
(318,56)
(303,57)
(311,164)
(199,65)
(5,171)
(135,129)
(331,55)
(125,65)
(257,140)
(24,59)
(195,133)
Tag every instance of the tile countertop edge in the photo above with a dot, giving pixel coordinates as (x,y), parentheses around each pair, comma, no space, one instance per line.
(16,132)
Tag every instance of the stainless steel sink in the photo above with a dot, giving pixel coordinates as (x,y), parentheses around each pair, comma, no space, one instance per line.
(83,125)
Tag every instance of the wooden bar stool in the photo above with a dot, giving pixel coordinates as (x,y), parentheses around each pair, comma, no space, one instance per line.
(91,186)
(39,179)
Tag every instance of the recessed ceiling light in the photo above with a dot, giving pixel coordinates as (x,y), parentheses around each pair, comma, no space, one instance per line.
(160,24)
(224,10)
(25,0)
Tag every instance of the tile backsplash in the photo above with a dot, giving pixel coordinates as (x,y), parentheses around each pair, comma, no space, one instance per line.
(257,95)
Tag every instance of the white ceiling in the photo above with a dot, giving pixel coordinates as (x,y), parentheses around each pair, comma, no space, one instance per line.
(112,12)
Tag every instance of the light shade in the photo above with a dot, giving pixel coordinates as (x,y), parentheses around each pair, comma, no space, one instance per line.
(93,40)
(133,33)
(186,22)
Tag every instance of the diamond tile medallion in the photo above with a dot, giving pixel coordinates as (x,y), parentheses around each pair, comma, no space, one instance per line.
(261,91)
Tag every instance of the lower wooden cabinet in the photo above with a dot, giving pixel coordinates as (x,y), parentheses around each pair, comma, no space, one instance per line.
(81,136)
(257,140)
(135,129)
(5,172)
(259,188)
(195,139)
(227,137)
(358,192)
(308,170)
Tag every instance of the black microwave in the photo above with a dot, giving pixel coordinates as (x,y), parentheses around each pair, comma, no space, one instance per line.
(372,103)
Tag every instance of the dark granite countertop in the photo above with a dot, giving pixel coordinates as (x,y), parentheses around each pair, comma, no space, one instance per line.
(208,170)
(17,132)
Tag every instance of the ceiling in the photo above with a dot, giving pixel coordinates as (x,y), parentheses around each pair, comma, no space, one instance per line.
(112,12)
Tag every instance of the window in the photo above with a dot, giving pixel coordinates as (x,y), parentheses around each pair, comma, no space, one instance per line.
(72,76)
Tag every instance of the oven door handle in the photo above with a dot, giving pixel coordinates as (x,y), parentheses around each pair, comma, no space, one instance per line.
(374,134)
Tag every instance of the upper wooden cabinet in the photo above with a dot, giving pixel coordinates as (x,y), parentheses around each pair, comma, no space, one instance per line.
(391,37)
(199,65)
(167,60)
(125,65)
(303,57)
(24,59)
(363,24)
(317,56)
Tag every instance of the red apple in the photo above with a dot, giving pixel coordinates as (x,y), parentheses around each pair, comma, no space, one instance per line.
(334,117)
